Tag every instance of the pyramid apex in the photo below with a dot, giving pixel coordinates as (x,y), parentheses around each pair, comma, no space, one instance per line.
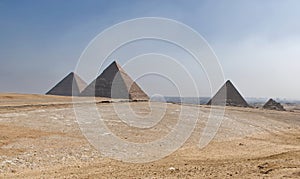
(228,81)
(114,63)
(71,73)
(271,100)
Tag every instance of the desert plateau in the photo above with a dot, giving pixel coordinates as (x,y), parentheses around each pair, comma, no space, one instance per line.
(40,138)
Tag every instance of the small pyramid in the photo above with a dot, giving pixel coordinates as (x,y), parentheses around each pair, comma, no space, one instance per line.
(71,85)
(114,82)
(228,95)
(273,105)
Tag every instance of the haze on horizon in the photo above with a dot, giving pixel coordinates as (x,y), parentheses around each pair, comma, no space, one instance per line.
(256,42)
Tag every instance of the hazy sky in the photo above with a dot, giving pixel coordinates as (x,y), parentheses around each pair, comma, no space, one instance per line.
(257,42)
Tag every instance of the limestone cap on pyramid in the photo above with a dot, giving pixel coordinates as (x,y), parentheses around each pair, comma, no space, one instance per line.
(114,82)
(71,85)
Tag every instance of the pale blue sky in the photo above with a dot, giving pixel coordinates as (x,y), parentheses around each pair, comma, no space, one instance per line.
(257,42)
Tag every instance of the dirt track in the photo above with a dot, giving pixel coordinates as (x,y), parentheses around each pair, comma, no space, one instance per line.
(44,141)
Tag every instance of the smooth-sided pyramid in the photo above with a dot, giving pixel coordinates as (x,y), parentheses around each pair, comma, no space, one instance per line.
(228,95)
(71,85)
(273,105)
(115,83)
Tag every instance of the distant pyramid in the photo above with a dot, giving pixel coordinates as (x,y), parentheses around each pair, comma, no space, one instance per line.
(113,82)
(273,105)
(71,85)
(228,95)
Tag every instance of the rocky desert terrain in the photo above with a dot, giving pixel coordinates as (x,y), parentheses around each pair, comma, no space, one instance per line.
(41,138)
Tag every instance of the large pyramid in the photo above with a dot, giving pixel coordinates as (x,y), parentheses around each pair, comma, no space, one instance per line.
(273,105)
(228,95)
(71,85)
(113,82)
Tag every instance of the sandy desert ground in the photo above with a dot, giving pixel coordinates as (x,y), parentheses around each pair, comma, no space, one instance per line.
(40,138)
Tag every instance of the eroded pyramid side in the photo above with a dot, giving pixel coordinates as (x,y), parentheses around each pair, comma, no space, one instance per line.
(273,105)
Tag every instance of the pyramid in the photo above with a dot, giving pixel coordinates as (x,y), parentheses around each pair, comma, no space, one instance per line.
(113,82)
(71,85)
(228,95)
(273,105)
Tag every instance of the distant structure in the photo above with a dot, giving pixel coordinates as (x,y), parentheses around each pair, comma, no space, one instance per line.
(71,85)
(228,95)
(115,83)
(273,105)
